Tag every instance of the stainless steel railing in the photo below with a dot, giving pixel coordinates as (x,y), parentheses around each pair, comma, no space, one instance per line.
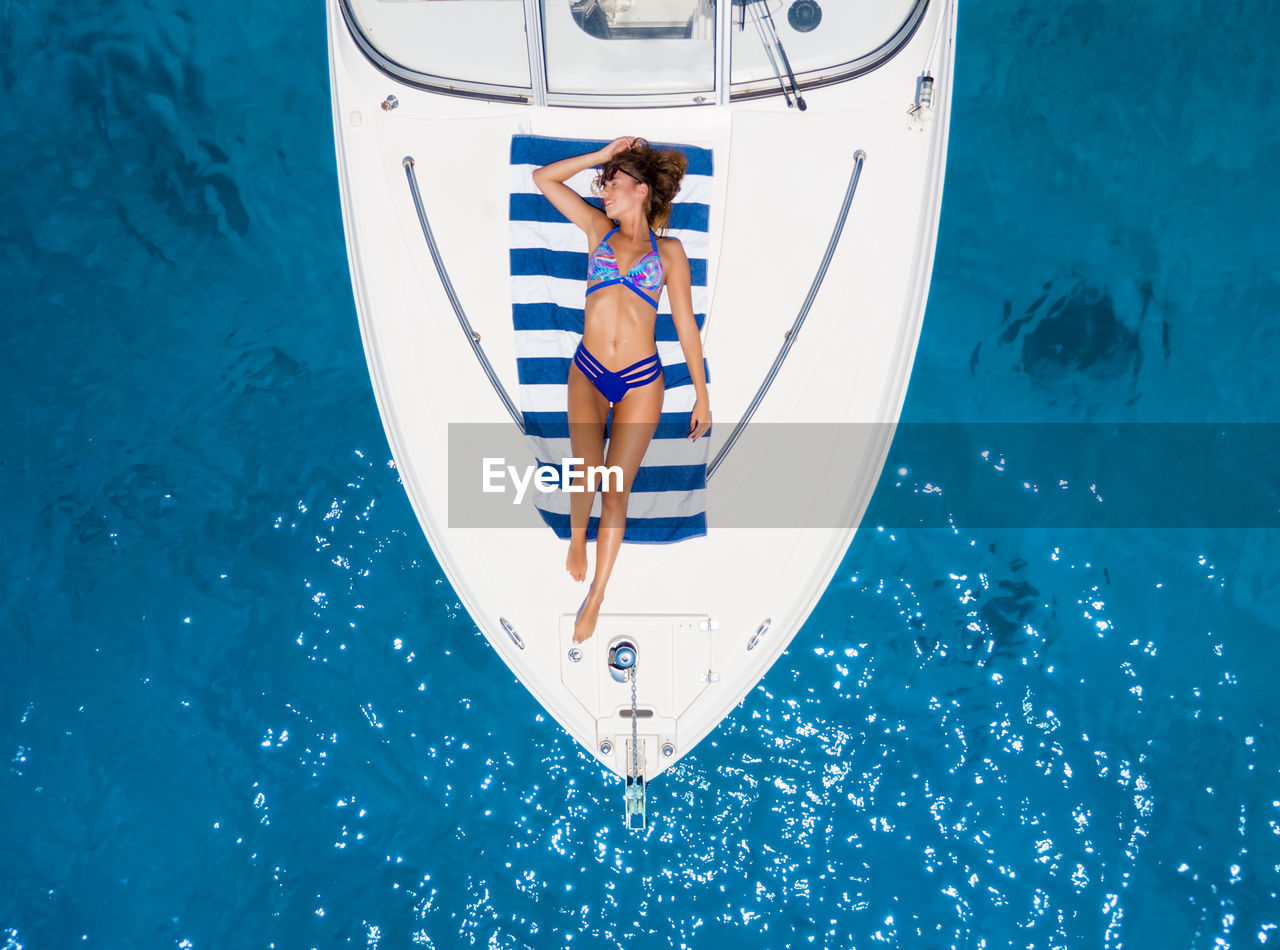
(472,336)
(859,158)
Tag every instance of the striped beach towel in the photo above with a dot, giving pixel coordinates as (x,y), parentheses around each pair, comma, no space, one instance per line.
(548,291)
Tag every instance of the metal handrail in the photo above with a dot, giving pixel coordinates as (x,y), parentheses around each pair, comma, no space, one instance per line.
(472,336)
(859,157)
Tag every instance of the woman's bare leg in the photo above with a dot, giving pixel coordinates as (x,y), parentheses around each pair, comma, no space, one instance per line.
(587,411)
(635,417)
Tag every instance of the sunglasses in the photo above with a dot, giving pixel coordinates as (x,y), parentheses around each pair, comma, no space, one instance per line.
(627,173)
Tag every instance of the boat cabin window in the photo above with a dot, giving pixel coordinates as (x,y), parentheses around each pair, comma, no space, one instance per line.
(643,19)
(817,37)
(480,41)
(624,47)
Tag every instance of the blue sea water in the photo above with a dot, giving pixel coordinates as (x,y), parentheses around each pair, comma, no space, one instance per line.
(241,707)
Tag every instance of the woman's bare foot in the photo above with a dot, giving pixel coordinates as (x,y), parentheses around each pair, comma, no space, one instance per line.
(576,562)
(588,614)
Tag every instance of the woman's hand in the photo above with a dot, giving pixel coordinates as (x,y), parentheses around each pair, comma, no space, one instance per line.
(699,419)
(617,145)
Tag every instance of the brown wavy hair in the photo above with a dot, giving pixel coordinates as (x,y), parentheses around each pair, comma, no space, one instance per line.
(660,170)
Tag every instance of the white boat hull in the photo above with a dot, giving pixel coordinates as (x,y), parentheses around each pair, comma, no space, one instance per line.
(780,175)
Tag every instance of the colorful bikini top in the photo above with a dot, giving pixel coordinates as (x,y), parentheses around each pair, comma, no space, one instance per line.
(646,273)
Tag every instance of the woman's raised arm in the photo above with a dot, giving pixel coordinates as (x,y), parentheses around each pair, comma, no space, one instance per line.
(550,181)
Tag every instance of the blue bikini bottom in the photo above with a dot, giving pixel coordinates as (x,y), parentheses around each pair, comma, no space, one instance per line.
(615,385)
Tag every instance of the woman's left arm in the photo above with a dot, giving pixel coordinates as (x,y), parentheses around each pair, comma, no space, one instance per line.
(680,294)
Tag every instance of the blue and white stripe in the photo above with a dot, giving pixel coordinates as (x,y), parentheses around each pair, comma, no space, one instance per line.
(548,292)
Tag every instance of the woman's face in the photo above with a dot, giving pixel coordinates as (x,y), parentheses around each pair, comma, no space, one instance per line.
(623,194)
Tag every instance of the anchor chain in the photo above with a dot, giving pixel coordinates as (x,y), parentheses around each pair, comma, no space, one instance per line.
(622,667)
(635,742)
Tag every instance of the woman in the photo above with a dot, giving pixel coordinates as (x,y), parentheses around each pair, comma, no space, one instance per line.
(617,361)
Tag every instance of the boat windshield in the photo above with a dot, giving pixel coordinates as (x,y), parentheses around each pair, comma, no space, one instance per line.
(595,47)
(610,49)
